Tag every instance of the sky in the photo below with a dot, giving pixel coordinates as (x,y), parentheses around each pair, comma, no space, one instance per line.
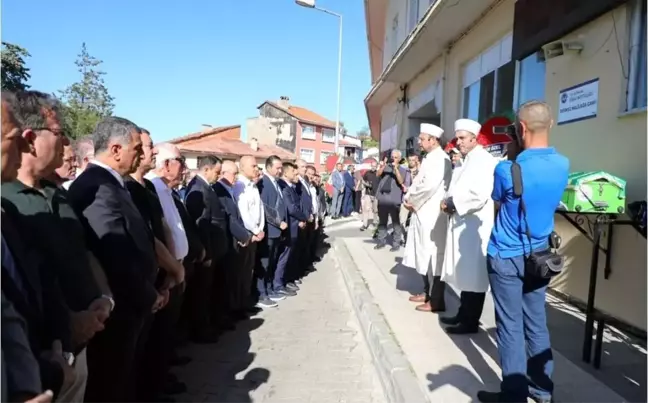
(175,65)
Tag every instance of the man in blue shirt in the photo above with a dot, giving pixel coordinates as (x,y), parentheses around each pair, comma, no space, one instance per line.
(520,300)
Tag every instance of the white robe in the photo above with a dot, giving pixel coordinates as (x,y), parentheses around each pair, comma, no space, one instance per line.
(426,235)
(469,228)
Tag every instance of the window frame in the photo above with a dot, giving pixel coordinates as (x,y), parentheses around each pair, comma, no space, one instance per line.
(301,155)
(413,16)
(324,136)
(308,136)
(518,75)
(324,155)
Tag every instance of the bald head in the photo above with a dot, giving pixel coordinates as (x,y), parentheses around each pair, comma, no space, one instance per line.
(247,164)
(536,116)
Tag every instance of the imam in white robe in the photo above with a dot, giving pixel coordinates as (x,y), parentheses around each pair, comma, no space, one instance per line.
(469,228)
(426,235)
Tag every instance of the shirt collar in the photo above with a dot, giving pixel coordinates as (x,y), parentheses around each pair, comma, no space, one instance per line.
(273,179)
(535,151)
(114,173)
(245,181)
(203,178)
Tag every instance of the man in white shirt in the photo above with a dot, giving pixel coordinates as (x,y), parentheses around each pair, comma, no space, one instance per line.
(167,174)
(250,206)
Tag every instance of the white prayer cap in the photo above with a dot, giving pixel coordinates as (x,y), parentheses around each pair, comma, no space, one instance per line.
(432,130)
(468,125)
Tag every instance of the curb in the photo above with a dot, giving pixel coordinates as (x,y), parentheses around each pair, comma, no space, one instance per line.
(396,375)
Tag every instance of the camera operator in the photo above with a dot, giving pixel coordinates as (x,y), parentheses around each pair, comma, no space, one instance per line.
(519,297)
(390,196)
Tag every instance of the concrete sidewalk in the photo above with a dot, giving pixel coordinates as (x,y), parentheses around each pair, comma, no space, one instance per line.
(449,368)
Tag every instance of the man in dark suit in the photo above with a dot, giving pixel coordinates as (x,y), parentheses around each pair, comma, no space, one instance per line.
(237,237)
(306,232)
(288,265)
(276,216)
(21,285)
(205,209)
(124,244)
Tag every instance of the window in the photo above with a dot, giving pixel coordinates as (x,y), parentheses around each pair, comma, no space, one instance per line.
(394,36)
(413,14)
(328,135)
(489,83)
(307,154)
(636,97)
(308,132)
(531,79)
(324,155)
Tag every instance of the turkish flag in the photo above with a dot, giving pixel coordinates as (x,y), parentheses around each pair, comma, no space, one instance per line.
(493,137)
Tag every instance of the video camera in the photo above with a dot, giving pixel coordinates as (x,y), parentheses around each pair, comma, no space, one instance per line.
(514,131)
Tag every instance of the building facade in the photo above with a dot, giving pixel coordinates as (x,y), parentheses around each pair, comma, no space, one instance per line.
(225,143)
(441,60)
(298,130)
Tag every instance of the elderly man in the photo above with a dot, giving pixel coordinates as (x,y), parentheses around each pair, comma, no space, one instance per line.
(57,233)
(122,241)
(390,196)
(84,153)
(427,232)
(27,369)
(250,206)
(67,171)
(469,205)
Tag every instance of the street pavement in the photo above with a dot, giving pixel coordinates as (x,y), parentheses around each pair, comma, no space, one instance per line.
(450,368)
(309,349)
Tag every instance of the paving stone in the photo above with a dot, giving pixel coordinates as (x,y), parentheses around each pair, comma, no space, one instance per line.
(309,349)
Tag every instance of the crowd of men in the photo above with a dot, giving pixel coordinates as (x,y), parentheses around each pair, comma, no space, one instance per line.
(110,259)
(468,228)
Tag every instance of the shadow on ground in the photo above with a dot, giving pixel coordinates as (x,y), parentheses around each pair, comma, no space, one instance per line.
(623,364)
(211,376)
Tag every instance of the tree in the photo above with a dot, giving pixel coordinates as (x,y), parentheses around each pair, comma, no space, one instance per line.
(365,137)
(86,101)
(14,72)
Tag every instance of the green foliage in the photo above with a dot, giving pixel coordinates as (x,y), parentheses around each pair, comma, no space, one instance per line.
(365,138)
(88,100)
(14,72)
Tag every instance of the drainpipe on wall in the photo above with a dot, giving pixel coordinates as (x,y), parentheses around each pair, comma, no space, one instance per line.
(402,129)
(444,90)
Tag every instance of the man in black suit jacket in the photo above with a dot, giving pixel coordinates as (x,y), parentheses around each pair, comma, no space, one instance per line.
(124,244)
(205,209)
(288,265)
(238,236)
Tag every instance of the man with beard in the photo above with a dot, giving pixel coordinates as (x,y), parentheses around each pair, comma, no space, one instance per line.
(57,232)
(470,209)
(124,244)
(426,235)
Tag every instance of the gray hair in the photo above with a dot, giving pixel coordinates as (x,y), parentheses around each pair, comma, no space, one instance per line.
(113,128)
(83,147)
(30,108)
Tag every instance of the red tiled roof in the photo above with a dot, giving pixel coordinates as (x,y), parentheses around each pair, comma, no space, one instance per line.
(225,142)
(303,114)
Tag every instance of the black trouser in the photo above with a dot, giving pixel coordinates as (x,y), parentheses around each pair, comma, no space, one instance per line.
(199,296)
(305,258)
(294,268)
(245,262)
(155,360)
(357,195)
(384,212)
(269,251)
(225,278)
(435,295)
(112,357)
(470,310)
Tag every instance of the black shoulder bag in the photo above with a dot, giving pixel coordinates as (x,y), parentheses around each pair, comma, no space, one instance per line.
(545,263)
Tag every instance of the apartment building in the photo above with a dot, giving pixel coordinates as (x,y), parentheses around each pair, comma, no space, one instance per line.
(439,60)
(298,130)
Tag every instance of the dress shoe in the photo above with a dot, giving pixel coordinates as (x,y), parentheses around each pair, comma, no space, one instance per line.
(298,281)
(428,307)
(450,320)
(380,245)
(395,248)
(418,298)
(292,287)
(461,329)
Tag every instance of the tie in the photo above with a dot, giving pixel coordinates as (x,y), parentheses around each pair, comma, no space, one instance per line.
(276,186)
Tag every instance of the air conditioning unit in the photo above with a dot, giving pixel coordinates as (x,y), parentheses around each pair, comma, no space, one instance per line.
(559,48)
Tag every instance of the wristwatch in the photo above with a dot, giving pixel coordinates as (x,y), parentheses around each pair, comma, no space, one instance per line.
(69,358)
(111,300)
